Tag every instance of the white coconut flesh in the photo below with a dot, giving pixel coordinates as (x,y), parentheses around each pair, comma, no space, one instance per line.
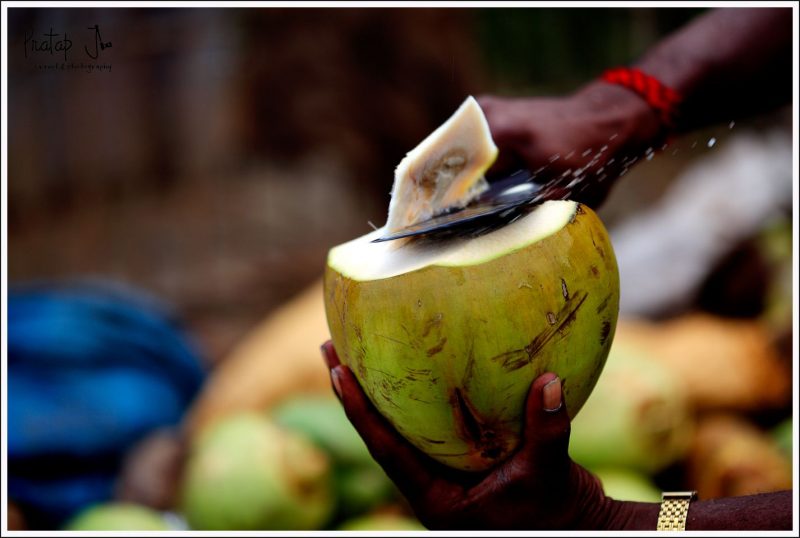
(361,259)
(445,170)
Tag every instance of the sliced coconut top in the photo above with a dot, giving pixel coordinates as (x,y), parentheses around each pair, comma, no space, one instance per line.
(360,259)
(445,170)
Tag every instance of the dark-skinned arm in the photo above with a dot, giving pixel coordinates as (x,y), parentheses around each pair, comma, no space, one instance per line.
(726,64)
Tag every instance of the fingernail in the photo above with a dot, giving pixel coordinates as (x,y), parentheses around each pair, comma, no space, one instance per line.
(337,384)
(551,396)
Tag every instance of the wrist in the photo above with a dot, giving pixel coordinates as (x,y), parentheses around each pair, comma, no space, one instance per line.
(630,123)
(594,510)
(629,515)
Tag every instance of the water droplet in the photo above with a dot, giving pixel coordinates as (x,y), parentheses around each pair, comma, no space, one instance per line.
(601,178)
(650,156)
(611,160)
(731,124)
(587,152)
(570,154)
(603,149)
(554,158)
(664,146)
(694,144)
(517,189)
(613,136)
(711,142)
(648,151)
(372,225)
(675,151)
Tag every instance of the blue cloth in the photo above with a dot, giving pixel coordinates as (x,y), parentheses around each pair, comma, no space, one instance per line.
(91,370)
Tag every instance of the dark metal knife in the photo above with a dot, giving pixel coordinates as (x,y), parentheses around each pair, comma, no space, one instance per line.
(502,198)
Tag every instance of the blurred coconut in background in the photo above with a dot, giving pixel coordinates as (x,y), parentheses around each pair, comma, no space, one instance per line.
(278,358)
(359,482)
(382,522)
(246,473)
(722,363)
(118,517)
(625,484)
(638,416)
(732,457)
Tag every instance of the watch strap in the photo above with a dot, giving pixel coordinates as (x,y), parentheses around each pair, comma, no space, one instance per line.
(674,510)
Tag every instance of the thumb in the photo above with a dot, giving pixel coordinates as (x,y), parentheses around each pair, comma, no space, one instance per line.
(545,439)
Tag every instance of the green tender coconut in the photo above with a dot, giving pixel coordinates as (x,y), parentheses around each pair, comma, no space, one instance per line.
(782,434)
(246,473)
(117,516)
(382,522)
(322,419)
(626,485)
(446,335)
(638,416)
(359,482)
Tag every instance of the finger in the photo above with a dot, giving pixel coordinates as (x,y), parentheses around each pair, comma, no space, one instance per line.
(545,439)
(329,355)
(404,464)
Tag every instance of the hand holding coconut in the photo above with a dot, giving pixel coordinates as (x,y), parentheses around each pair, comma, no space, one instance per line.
(539,487)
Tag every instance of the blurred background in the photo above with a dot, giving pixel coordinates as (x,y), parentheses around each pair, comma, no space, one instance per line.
(201,166)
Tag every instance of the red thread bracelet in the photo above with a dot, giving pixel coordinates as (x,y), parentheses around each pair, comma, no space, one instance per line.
(660,97)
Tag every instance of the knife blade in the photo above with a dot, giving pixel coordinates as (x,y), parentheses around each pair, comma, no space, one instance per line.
(502,199)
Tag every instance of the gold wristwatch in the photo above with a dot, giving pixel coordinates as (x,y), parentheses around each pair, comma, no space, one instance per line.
(674,509)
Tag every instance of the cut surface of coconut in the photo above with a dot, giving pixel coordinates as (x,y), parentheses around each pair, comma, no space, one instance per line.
(361,259)
(445,171)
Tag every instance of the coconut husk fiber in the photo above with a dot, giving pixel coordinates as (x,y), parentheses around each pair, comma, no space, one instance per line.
(724,364)
(731,457)
(279,357)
